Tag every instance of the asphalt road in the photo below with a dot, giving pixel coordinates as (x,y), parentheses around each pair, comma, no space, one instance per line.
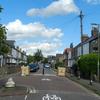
(50,87)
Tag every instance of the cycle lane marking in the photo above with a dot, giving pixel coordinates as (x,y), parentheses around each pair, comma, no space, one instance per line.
(51,97)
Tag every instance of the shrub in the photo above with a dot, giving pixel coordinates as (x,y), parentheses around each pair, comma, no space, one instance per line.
(88,64)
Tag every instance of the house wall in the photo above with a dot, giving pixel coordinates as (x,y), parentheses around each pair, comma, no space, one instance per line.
(14,53)
(94,46)
(86,48)
(69,59)
(78,51)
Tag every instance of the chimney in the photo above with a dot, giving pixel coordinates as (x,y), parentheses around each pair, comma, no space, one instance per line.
(85,37)
(94,31)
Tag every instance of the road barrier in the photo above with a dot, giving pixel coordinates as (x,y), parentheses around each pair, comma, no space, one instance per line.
(61,71)
(25,70)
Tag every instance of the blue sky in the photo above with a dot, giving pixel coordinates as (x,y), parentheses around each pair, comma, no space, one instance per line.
(49,25)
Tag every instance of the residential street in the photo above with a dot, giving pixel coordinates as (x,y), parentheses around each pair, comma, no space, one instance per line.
(49,87)
(49,49)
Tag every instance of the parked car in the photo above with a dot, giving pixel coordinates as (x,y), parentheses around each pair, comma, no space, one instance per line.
(33,67)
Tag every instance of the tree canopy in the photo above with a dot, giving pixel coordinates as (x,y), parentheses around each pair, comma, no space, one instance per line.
(38,56)
(4,48)
(88,63)
(30,59)
(2,32)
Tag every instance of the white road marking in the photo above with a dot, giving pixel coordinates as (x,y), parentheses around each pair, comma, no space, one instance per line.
(49,75)
(37,74)
(25,97)
(50,97)
(31,90)
(46,79)
(43,75)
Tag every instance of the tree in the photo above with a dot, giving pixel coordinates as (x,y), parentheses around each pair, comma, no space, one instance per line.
(2,32)
(45,60)
(59,64)
(30,59)
(88,64)
(38,56)
(4,48)
(75,69)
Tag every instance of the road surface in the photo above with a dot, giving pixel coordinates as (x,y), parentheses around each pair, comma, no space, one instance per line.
(50,87)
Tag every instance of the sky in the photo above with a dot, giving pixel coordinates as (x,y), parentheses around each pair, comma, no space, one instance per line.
(48,25)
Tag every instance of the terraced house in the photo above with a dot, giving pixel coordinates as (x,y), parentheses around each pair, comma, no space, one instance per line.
(15,56)
(88,45)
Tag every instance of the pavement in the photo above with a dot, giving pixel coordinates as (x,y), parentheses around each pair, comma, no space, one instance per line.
(95,87)
(49,87)
(5,77)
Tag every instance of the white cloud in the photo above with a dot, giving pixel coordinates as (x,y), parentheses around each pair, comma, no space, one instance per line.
(93,1)
(46,47)
(18,30)
(60,7)
(33,36)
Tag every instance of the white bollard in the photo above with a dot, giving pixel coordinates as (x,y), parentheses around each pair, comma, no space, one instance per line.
(10,83)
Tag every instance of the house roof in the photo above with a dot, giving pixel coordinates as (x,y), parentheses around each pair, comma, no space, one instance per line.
(89,40)
(11,42)
(67,50)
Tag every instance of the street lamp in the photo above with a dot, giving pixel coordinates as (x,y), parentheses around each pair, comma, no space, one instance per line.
(98,63)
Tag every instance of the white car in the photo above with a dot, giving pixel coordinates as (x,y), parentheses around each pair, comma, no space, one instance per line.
(47,66)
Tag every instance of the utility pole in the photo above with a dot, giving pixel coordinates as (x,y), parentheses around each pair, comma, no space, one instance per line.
(81,29)
(98,64)
(81,23)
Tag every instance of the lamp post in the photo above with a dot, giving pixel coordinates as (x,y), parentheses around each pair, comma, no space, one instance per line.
(98,63)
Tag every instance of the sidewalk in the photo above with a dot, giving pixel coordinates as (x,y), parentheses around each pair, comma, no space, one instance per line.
(9,75)
(17,90)
(95,87)
(3,79)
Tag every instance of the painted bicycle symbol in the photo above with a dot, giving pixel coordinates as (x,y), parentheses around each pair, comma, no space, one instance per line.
(50,97)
